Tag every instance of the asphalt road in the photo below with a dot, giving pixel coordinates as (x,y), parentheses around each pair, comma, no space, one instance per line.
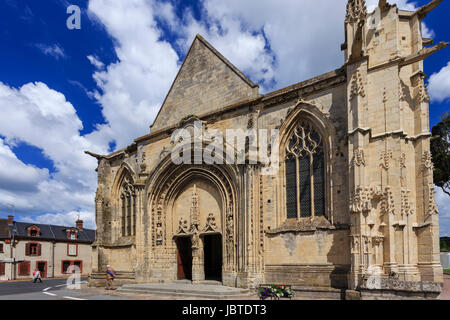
(12,289)
(49,289)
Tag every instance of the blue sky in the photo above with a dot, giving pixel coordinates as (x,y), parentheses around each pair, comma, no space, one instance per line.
(65,91)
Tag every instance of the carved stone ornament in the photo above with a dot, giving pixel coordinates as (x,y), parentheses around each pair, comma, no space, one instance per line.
(358,158)
(427,162)
(432,207)
(387,201)
(159,234)
(210,223)
(357,87)
(406,208)
(385,157)
(422,94)
(402,161)
(355,244)
(356,11)
(361,200)
(183,227)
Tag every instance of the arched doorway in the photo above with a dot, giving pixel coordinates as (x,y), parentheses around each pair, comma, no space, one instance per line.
(212,256)
(193,202)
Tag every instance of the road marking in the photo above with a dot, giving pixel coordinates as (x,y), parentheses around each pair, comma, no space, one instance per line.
(73,298)
(50,294)
(47,289)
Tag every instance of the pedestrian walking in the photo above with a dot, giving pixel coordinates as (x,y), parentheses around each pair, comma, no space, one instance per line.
(36,275)
(110,275)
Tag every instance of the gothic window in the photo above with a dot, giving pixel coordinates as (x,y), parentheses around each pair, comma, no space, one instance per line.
(305,173)
(128,209)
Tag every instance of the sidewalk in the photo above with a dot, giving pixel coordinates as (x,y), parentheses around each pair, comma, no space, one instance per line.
(445,295)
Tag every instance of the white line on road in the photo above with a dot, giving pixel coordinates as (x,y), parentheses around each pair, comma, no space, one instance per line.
(50,294)
(73,298)
(47,289)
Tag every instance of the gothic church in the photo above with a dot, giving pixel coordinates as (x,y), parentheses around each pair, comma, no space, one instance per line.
(351,207)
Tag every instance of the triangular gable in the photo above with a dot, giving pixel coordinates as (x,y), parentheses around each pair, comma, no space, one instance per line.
(206,82)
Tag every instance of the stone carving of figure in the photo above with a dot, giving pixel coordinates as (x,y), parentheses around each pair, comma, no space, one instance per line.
(159,233)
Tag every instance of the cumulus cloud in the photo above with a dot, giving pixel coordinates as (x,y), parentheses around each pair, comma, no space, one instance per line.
(443,202)
(64,219)
(439,84)
(16,176)
(42,117)
(133,88)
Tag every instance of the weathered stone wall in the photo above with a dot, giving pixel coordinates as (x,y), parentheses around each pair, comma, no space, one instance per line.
(381,216)
(204,84)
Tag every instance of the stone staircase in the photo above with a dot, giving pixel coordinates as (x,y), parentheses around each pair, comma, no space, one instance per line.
(205,289)
(98,279)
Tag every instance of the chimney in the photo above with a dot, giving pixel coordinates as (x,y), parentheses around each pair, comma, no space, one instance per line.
(10,220)
(79,224)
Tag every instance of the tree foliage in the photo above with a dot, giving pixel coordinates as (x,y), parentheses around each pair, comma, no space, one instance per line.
(440,150)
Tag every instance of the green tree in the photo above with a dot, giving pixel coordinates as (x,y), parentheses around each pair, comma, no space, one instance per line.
(444,246)
(440,151)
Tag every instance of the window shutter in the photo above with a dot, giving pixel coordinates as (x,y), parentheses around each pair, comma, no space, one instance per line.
(27,268)
(27,249)
(24,268)
(39,249)
(2,268)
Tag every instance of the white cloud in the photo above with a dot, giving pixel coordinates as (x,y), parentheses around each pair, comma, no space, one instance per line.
(41,117)
(95,62)
(439,84)
(15,175)
(427,33)
(51,50)
(64,219)
(133,88)
(443,202)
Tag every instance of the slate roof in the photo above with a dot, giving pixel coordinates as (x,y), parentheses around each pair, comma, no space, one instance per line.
(48,232)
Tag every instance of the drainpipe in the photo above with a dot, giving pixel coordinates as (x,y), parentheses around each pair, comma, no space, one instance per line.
(53,258)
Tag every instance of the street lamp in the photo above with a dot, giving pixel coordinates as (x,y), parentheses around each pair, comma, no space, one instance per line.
(12,245)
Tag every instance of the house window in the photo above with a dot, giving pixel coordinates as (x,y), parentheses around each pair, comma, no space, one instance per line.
(2,268)
(69,266)
(65,266)
(1,247)
(33,249)
(305,173)
(33,231)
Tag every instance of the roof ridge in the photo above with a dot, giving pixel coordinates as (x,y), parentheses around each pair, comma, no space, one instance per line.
(218,55)
(226,61)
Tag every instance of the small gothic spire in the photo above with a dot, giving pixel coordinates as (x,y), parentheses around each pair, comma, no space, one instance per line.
(356,11)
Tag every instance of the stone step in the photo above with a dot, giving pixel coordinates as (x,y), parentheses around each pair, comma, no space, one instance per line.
(190,290)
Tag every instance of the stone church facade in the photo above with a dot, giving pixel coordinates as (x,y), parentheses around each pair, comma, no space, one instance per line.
(351,207)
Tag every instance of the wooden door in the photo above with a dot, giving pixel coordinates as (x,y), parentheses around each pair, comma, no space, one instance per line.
(42,267)
(184,259)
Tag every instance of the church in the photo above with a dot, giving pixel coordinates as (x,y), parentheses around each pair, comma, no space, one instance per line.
(350,207)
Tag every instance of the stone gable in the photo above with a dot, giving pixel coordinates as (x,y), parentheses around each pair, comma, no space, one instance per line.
(205,83)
